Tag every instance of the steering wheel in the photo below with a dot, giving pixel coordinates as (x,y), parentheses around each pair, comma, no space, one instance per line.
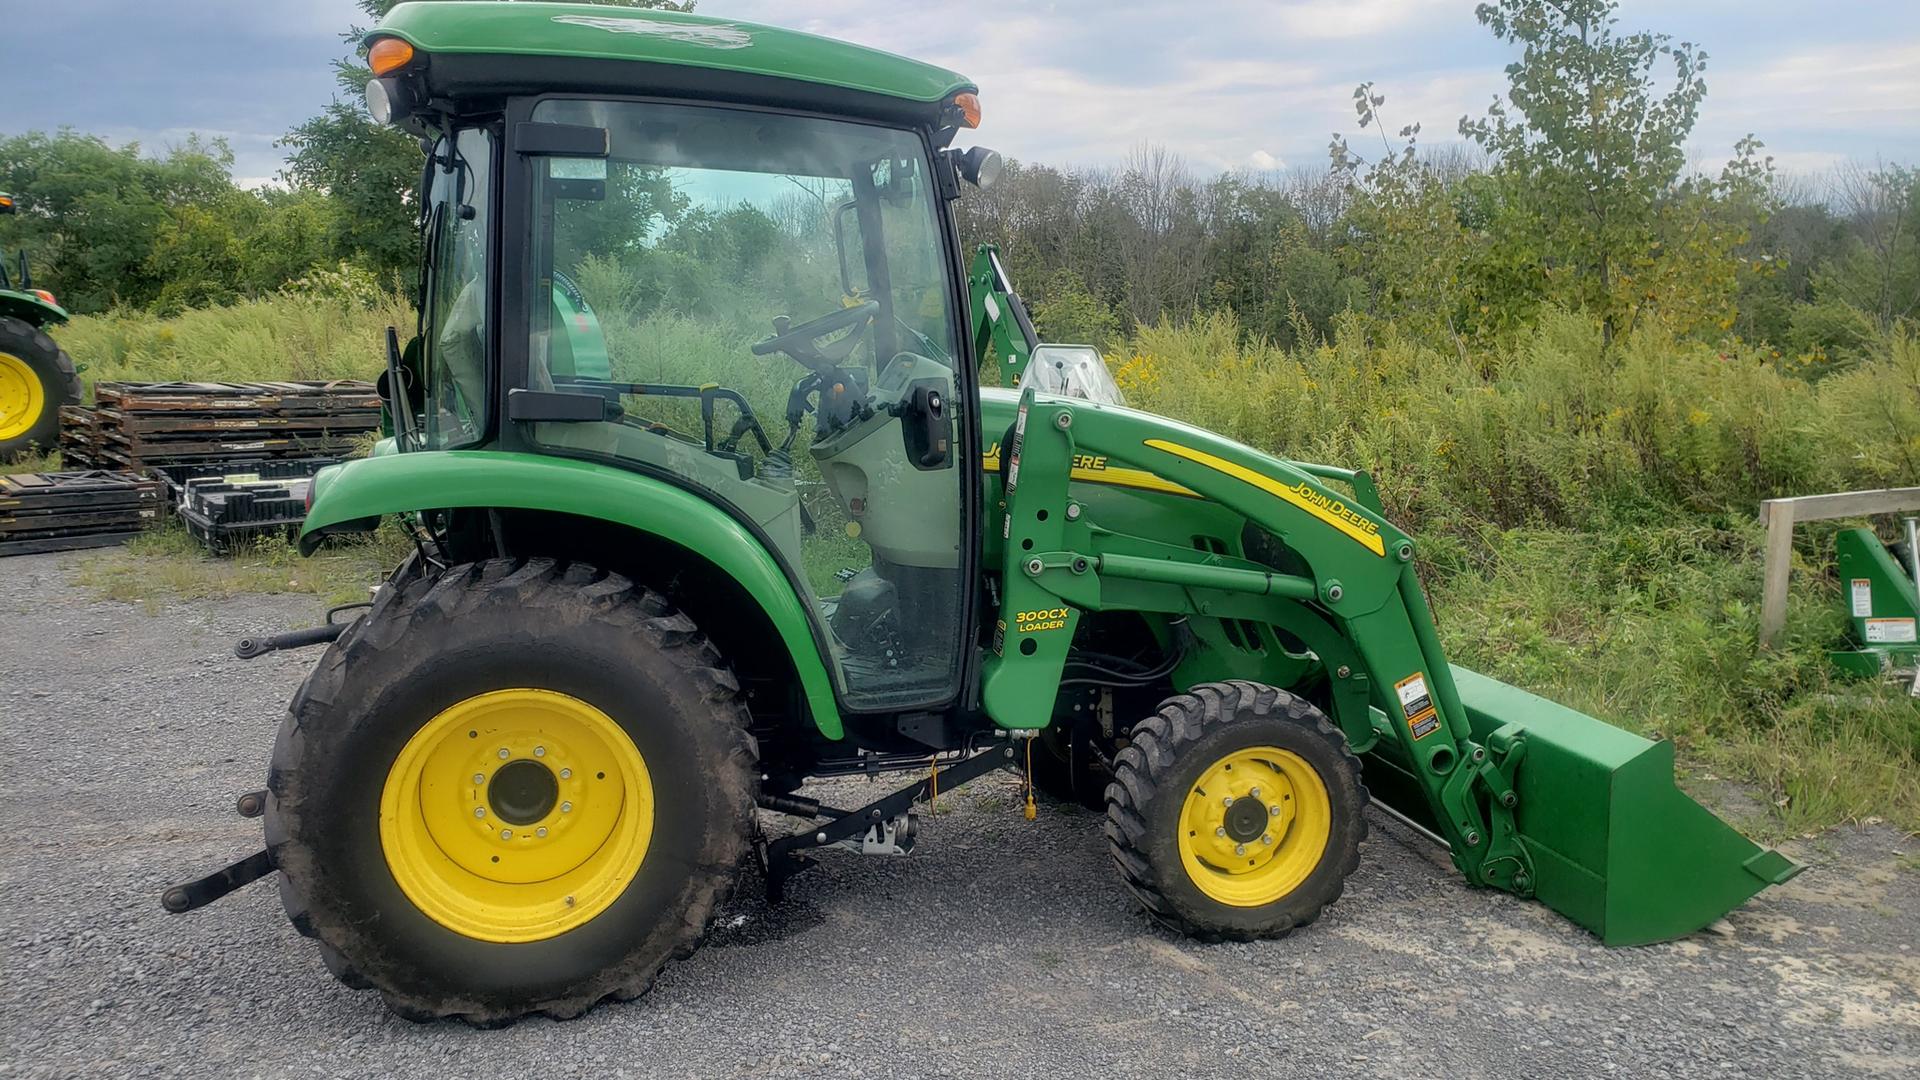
(801,342)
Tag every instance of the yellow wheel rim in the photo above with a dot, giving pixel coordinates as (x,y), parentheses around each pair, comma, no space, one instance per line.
(516,815)
(1255,826)
(22,398)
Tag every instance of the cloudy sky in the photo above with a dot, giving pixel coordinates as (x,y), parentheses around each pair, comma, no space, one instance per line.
(1227,83)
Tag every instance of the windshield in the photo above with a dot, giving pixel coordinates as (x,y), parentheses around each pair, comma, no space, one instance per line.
(767,305)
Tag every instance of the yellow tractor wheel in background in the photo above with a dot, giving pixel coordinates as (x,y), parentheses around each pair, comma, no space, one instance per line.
(36,378)
(514,787)
(1236,812)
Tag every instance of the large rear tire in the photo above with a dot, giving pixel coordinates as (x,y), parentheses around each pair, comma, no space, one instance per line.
(36,378)
(517,787)
(1236,812)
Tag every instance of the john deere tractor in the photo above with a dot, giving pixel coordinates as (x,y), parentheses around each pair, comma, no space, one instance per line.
(755,522)
(36,377)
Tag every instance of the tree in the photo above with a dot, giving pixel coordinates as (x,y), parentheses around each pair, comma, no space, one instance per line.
(1592,207)
(92,213)
(372,171)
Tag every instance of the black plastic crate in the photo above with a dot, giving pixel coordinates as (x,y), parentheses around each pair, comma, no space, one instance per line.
(221,514)
(241,472)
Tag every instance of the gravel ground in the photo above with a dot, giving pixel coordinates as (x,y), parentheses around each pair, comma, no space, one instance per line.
(1001,948)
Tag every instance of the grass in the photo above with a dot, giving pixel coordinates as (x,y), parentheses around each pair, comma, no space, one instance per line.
(168,565)
(1587,523)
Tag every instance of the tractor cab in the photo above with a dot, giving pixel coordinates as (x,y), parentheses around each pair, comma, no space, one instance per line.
(761,304)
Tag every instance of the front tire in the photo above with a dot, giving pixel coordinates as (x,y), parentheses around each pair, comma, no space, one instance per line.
(36,378)
(1236,812)
(516,787)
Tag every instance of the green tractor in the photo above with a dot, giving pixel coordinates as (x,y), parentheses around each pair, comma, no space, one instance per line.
(36,376)
(754,522)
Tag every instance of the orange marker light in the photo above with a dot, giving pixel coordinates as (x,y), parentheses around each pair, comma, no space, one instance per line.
(6,200)
(45,295)
(969,106)
(389,54)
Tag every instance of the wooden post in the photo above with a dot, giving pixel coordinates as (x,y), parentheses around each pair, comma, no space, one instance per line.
(1781,515)
(1773,598)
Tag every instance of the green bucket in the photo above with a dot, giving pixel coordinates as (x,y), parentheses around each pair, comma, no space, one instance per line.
(1616,846)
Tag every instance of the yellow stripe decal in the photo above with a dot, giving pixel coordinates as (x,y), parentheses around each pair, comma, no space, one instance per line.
(1303,495)
(1105,474)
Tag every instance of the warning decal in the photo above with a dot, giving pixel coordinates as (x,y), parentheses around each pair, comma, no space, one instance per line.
(1889,631)
(1862,597)
(1416,704)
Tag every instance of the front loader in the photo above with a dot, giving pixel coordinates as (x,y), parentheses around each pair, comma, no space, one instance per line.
(642,613)
(36,375)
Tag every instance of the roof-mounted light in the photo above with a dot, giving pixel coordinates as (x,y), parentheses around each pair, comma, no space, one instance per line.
(968,103)
(389,54)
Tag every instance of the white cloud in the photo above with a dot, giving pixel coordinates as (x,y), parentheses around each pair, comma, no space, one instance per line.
(1265,162)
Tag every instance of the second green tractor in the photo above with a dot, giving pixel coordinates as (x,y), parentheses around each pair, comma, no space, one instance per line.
(36,375)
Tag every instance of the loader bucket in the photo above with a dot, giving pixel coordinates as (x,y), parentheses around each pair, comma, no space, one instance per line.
(1616,846)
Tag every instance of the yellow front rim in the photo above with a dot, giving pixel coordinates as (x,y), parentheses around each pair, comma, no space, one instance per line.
(516,815)
(22,398)
(1254,826)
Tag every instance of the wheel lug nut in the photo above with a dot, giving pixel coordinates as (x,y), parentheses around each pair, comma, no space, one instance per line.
(539,751)
(566,808)
(541,832)
(566,773)
(1266,838)
(1222,831)
(1239,849)
(503,753)
(1228,801)
(479,811)
(479,778)
(1275,812)
(1255,793)
(506,834)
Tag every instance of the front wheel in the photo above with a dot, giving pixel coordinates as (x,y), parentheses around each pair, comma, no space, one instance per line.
(517,787)
(1236,812)
(36,378)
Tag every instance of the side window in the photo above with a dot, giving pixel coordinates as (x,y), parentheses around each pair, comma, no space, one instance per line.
(454,347)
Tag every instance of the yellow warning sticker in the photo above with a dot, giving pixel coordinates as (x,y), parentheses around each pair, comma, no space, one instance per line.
(1416,704)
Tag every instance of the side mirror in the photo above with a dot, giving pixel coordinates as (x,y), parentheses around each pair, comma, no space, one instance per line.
(978,165)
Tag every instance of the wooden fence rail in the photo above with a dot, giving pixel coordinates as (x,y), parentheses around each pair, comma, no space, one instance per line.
(1781,515)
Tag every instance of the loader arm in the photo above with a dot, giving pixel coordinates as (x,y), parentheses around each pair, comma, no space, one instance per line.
(1530,797)
(998,316)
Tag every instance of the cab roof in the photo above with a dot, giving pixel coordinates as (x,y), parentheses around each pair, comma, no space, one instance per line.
(699,43)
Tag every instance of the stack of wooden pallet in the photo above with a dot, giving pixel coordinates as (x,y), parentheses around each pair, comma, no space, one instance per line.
(82,509)
(143,425)
(80,438)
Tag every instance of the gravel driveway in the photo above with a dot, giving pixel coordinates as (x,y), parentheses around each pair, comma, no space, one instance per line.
(1000,948)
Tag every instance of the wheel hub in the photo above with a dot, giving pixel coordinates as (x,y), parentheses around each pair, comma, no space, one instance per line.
(523,792)
(1246,820)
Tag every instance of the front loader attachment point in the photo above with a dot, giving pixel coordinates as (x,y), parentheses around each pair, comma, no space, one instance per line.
(1615,845)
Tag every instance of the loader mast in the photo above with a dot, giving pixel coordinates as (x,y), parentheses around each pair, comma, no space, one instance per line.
(998,317)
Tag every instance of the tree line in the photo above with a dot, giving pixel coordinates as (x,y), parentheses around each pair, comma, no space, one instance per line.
(1572,192)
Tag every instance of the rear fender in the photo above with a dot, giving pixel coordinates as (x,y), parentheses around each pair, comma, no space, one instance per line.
(354,496)
(30,309)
